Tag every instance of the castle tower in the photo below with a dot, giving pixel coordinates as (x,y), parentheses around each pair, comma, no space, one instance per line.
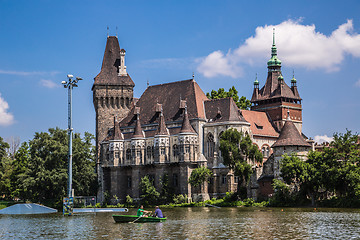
(276,97)
(112,90)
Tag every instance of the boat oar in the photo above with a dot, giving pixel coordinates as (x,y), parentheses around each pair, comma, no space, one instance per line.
(136,219)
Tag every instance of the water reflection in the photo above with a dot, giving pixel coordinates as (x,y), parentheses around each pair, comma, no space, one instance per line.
(191,223)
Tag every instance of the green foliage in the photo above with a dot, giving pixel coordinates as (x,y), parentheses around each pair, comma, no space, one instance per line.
(41,165)
(237,151)
(5,169)
(199,176)
(333,172)
(242,102)
(179,199)
(167,191)
(129,201)
(282,195)
(149,194)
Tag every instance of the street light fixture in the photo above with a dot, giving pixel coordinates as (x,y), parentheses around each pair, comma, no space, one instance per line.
(70,84)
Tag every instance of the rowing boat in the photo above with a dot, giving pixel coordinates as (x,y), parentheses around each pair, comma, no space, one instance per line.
(134,218)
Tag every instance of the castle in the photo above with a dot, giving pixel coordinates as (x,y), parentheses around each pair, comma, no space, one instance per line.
(174,128)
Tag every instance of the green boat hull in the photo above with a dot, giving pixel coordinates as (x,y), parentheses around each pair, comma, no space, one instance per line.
(136,219)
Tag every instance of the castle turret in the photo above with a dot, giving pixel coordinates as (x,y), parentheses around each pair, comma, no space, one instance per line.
(162,139)
(290,141)
(112,89)
(275,97)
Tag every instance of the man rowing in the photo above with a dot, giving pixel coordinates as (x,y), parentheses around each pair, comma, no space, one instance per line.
(142,213)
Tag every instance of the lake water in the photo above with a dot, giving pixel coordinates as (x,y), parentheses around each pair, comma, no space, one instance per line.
(191,223)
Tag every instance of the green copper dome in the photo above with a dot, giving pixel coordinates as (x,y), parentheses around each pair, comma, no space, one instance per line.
(256,82)
(280,77)
(274,61)
(293,80)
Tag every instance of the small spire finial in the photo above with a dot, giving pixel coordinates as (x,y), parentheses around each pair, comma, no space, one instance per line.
(148,84)
(108,31)
(116,31)
(273,36)
(193,76)
(293,73)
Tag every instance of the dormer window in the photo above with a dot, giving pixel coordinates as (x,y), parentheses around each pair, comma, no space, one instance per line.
(259,126)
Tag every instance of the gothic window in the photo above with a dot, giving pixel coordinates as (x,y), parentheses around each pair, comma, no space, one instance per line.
(116,154)
(236,179)
(129,182)
(223,179)
(175,150)
(162,151)
(149,152)
(128,154)
(133,152)
(210,145)
(187,149)
(265,151)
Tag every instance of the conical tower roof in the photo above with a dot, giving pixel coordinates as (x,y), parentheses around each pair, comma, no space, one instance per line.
(186,126)
(110,66)
(117,132)
(290,136)
(162,129)
(138,133)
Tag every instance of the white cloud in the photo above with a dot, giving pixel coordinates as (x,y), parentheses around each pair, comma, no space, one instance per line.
(48,83)
(324,138)
(6,118)
(216,63)
(357,83)
(298,45)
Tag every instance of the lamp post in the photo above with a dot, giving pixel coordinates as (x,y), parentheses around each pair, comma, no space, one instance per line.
(70,84)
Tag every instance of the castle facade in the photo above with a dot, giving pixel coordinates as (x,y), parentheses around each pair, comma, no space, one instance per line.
(174,128)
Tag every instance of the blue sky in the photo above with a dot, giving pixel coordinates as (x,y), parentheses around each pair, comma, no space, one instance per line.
(224,43)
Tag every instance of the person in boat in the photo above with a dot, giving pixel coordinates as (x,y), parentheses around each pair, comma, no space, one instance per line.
(142,213)
(158,213)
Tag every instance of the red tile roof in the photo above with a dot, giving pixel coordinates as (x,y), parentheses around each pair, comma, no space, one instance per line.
(169,95)
(221,110)
(259,123)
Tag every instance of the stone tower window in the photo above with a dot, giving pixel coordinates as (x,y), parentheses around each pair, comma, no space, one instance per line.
(175,150)
(210,145)
(128,154)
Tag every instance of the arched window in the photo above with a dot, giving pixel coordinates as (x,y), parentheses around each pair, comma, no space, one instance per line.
(175,150)
(149,152)
(210,145)
(128,154)
(265,150)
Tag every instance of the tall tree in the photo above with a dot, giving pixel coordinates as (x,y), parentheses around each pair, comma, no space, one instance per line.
(199,175)
(149,194)
(242,102)
(238,152)
(43,167)
(335,170)
(5,169)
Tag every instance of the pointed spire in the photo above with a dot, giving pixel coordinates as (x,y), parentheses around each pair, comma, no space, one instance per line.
(293,80)
(274,37)
(256,82)
(138,133)
(117,132)
(186,126)
(274,61)
(162,129)
(256,89)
